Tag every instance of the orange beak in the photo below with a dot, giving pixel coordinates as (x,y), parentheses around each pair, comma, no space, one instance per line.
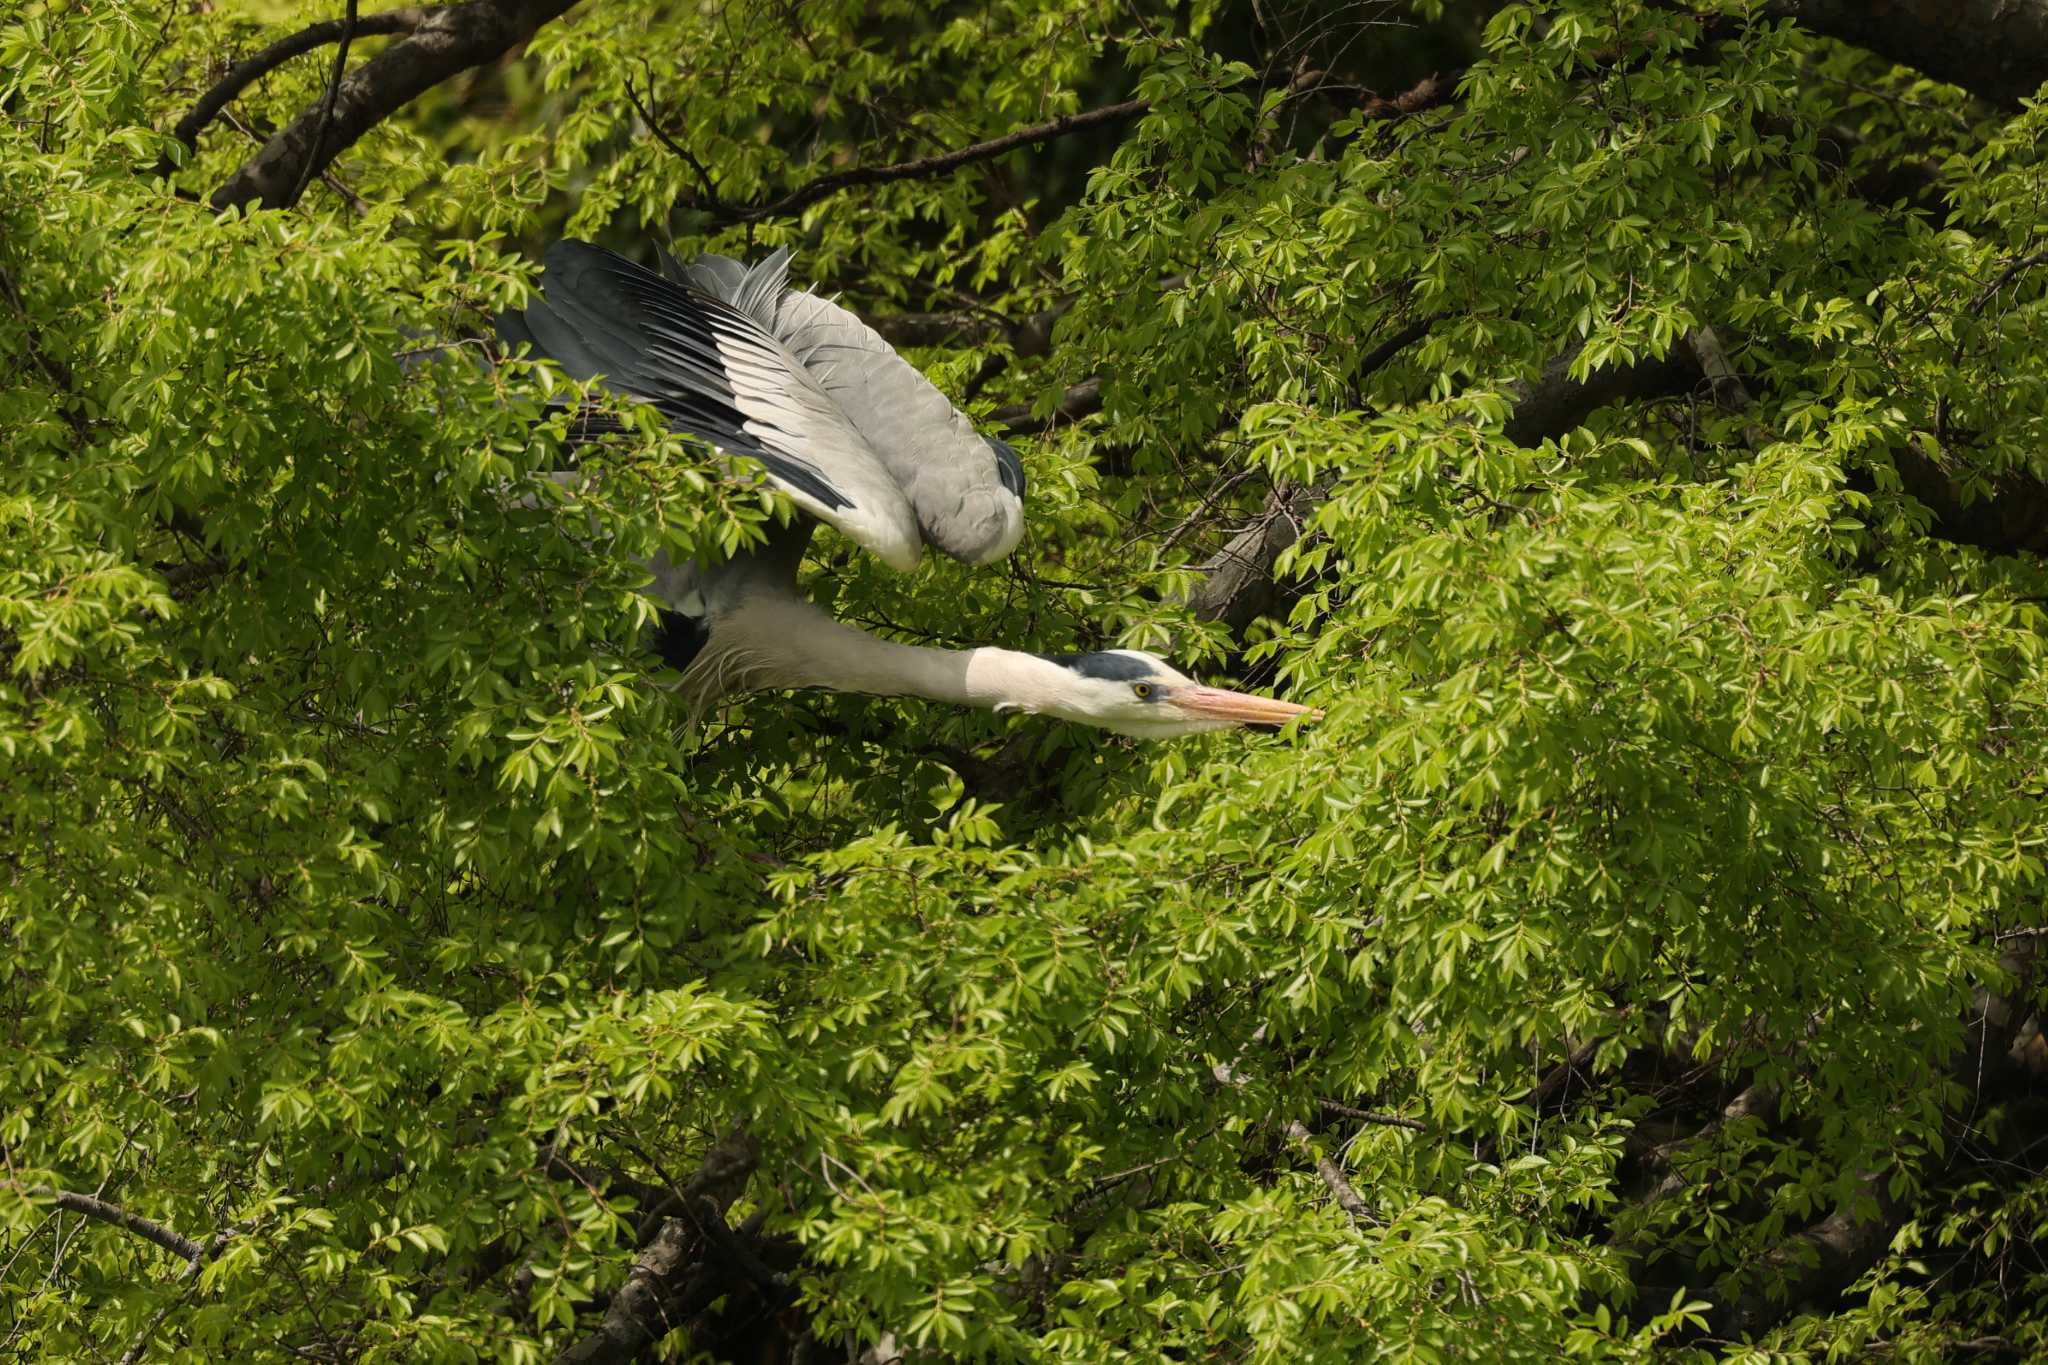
(1240,708)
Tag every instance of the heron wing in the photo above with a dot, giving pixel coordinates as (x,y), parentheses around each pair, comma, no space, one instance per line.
(967,490)
(715,373)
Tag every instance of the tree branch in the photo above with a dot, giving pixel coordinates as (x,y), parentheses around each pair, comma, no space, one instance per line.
(150,1231)
(1372,1116)
(1429,92)
(1830,1255)
(1333,1176)
(1557,403)
(654,126)
(825,186)
(248,71)
(1081,400)
(673,1279)
(1238,585)
(56,371)
(446,42)
(1028,337)
(348,36)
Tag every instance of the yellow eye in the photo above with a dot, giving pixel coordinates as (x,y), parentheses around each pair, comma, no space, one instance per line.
(1143,690)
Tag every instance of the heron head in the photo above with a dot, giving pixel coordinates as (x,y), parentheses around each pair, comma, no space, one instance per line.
(1142,695)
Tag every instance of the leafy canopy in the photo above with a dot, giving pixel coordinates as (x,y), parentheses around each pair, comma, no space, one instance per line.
(375,917)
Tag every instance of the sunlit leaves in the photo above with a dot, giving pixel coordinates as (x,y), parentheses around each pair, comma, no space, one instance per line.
(362,869)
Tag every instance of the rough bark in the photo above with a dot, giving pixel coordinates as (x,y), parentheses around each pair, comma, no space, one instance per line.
(250,70)
(446,42)
(147,1229)
(1238,585)
(1556,403)
(690,1262)
(2014,518)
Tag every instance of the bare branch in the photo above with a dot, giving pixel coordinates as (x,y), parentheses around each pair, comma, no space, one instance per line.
(654,126)
(673,1279)
(348,34)
(1372,1116)
(1082,400)
(1029,336)
(1430,92)
(1238,585)
(182,1247)
(1557,403)
(248,71)
(825,186)
(446,42)
(1333,1176)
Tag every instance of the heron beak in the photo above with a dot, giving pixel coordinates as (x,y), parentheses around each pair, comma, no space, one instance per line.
(1239,708)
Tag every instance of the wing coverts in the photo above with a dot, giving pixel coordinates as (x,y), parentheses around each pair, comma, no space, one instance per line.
(855,435)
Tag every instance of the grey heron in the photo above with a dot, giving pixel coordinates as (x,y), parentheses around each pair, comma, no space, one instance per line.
(858,440)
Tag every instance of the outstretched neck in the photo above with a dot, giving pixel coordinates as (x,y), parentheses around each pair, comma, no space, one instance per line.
(790,643)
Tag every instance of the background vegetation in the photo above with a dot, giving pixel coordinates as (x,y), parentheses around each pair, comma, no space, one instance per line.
(1628,420)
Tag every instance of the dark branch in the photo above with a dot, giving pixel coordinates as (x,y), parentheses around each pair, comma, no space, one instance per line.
(654,127)
(56,371)
(1428,93)
(676,1277)
(446,42)
(252,69)
(1557,403)
(1082,400)
(825,186)
(1238,585)
(1829,1256)
(348,36)
(1028,337)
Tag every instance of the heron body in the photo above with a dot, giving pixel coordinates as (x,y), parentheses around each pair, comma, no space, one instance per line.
(860,441)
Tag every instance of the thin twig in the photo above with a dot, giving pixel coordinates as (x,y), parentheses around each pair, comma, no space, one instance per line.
(313,162)
(1372,1116)
(2013,269)
(654,127)
(252,69)
(828,185)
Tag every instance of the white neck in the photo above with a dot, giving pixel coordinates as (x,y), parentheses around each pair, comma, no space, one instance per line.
(787,642)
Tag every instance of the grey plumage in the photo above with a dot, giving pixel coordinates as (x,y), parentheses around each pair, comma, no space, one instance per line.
(860,441)
(855,435)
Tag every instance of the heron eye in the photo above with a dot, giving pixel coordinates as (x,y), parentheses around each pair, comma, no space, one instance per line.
(1142,690)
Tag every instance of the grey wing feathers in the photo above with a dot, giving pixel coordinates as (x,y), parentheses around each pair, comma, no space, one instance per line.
(755,290)
(728,352)
(967,503)
(714,372)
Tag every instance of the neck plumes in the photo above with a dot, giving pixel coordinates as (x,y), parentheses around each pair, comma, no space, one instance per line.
(776,643)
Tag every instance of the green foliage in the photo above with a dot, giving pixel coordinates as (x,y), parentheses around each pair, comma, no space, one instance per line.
(360,870)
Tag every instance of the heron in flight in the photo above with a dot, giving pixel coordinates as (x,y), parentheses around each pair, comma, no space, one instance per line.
(859,440)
